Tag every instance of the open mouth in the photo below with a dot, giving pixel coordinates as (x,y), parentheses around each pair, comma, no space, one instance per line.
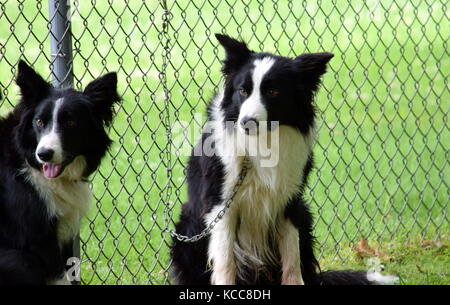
(52,170)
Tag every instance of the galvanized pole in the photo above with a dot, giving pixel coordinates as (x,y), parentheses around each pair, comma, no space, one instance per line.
(62,61)
(61,42)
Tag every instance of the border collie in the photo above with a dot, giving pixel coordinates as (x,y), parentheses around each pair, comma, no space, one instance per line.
(265,237)
(49,145)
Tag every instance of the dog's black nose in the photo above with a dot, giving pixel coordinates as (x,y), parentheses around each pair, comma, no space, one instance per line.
(249,124)
(249,121)
(45,154)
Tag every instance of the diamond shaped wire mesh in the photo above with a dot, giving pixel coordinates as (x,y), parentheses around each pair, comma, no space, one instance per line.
(381,153)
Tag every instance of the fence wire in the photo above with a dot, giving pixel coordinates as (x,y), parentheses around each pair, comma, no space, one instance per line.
(382,149)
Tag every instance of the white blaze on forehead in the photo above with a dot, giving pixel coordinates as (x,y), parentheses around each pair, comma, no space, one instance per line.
(253,106)
(262,66)
(51,139)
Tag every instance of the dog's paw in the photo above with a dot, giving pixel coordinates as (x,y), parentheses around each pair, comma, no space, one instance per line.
(223,276)
(292,278)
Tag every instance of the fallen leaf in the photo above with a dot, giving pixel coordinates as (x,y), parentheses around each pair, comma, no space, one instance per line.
(362,249)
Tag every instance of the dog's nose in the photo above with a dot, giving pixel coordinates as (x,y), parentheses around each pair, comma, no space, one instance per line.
(249,124)
(45,154)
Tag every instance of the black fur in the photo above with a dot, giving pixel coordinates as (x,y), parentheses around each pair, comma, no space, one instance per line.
(298,80)
(29,250)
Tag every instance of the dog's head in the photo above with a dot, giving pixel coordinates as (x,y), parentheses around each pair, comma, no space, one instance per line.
(262,87)
(62,131)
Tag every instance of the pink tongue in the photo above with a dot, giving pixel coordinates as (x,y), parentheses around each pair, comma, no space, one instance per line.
(51,170)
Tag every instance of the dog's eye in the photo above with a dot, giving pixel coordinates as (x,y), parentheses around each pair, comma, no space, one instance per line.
(71,123)
(273,92)
(243,92)
(39,123)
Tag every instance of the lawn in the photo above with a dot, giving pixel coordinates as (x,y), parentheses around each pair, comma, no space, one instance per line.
(381,160)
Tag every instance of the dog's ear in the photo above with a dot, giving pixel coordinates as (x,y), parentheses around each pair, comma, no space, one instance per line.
(311,66)
(102,92)
(236,51)
(32,86)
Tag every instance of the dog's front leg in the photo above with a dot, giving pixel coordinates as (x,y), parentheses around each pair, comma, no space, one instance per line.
(220,252)
(288,245)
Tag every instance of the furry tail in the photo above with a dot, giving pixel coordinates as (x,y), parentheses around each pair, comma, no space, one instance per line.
(348,277)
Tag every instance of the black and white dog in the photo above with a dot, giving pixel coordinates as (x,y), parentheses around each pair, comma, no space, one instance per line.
(49,145)
(265,237)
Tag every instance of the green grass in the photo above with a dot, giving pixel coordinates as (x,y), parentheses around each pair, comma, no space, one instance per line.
(417,262)
(381,156)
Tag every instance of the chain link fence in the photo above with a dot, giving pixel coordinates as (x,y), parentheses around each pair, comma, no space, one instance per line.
(381,156)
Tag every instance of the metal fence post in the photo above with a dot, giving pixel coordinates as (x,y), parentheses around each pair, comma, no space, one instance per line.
(62,61)
(61,42)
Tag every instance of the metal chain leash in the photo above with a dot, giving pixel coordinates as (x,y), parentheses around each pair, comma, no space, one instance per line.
(242,174)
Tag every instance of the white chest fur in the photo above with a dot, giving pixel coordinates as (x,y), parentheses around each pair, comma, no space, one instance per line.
(255,220)
(67,197)
(257,212)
